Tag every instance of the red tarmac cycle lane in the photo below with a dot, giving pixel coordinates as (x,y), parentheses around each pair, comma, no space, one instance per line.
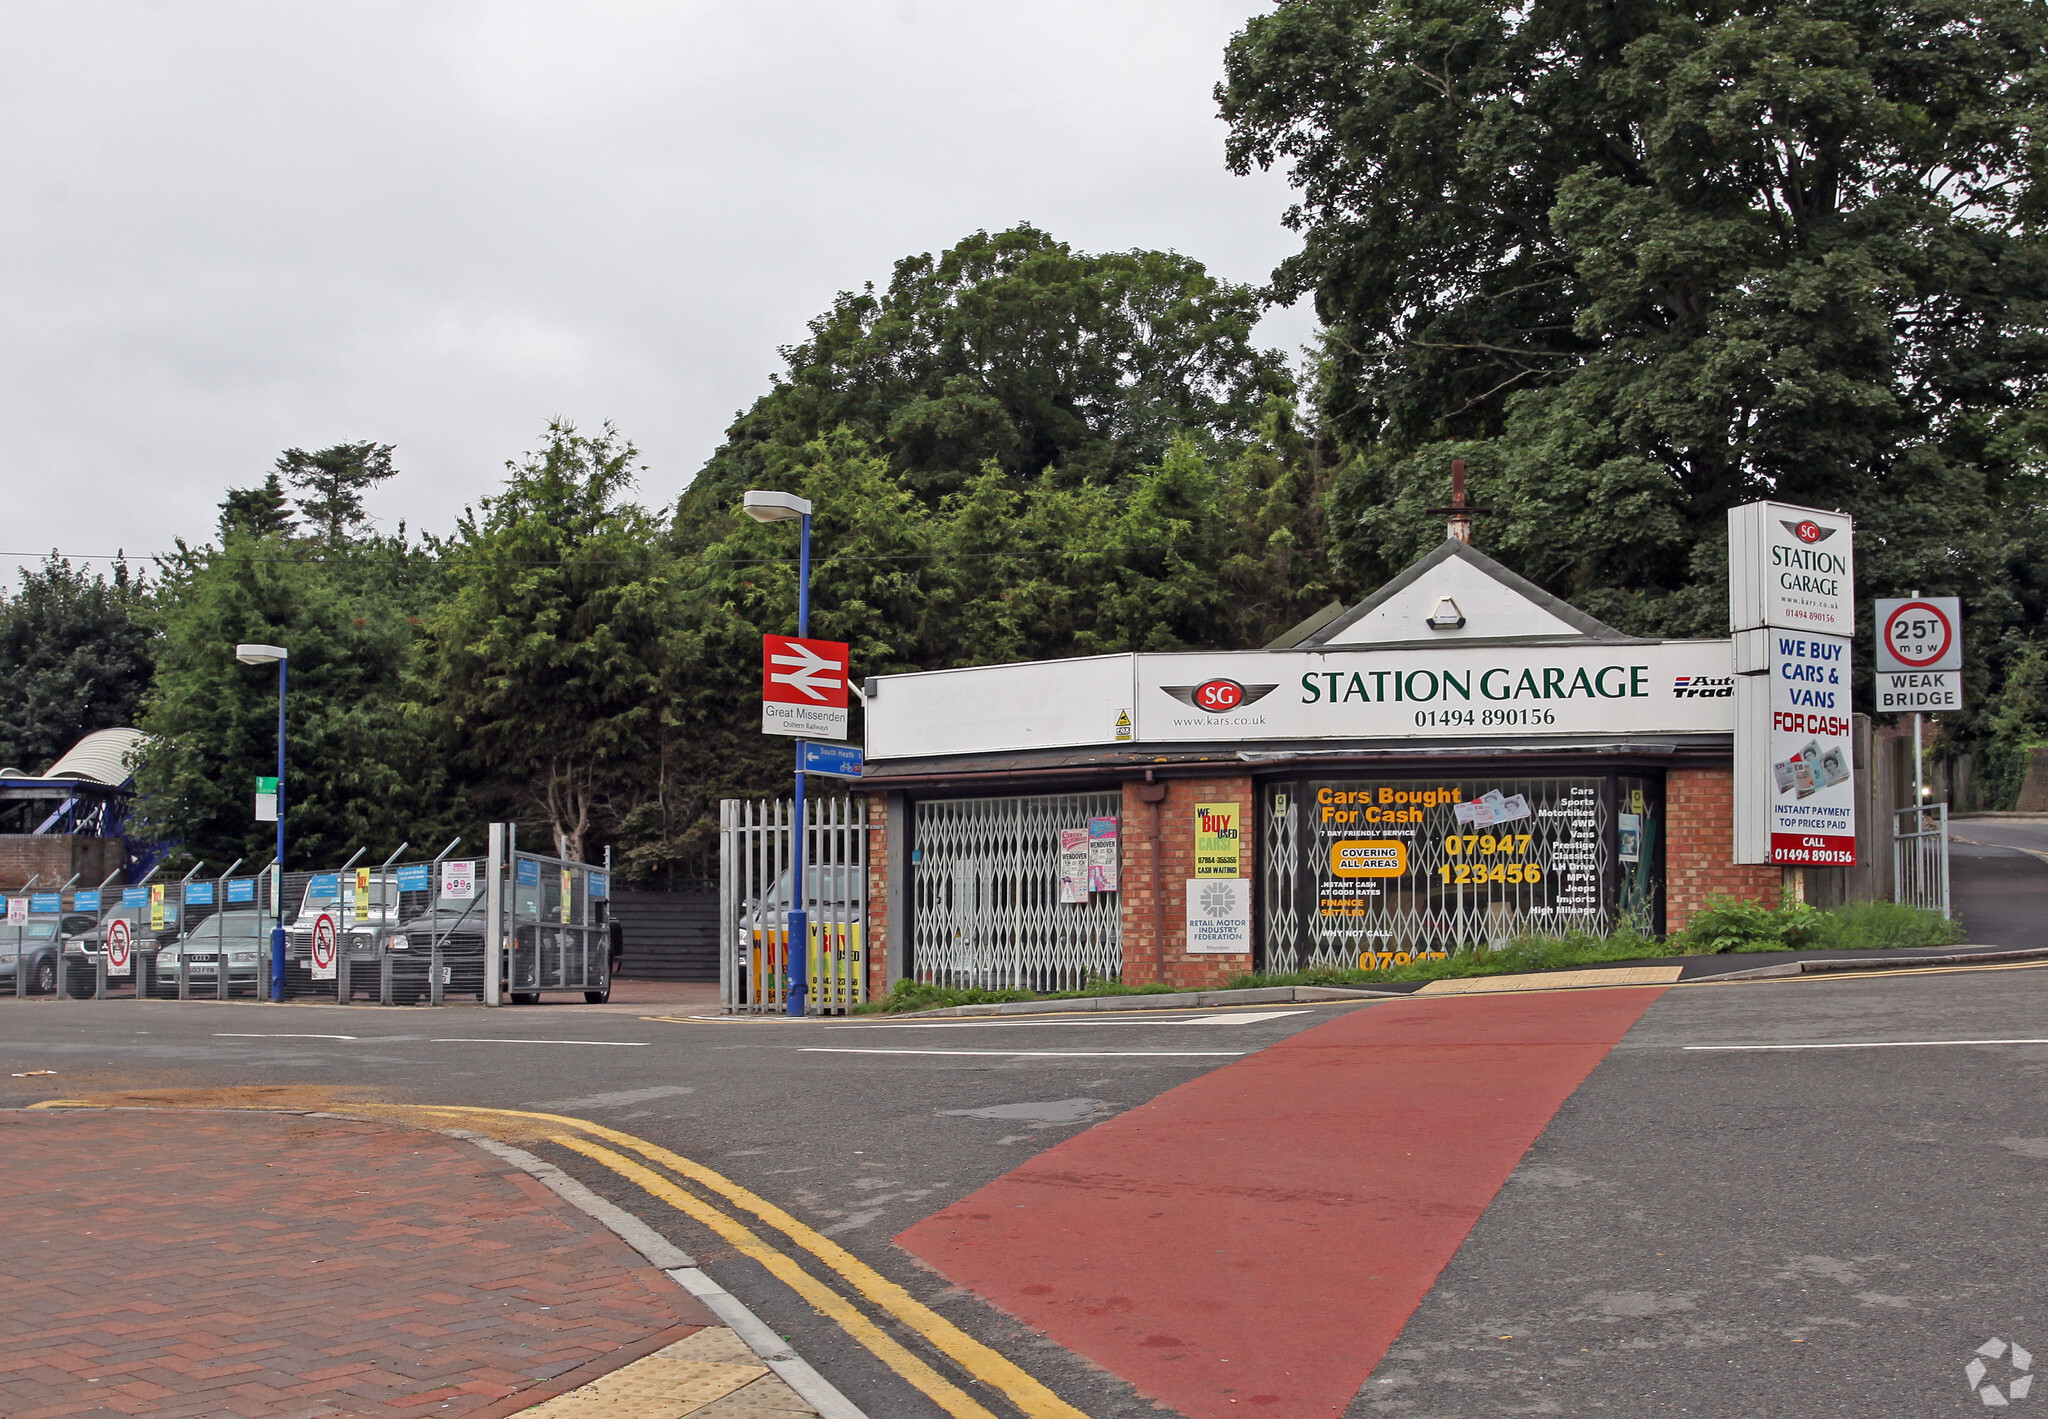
(1253,1241)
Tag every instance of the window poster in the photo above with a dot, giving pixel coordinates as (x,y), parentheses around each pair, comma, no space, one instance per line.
(1385,871)
(1217,837)
(1073,865)
(1103,853)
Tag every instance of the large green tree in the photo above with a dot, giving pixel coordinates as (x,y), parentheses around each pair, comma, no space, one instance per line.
(362,766)
(75,656)
(1011,349)
(546,661)
(1639,262)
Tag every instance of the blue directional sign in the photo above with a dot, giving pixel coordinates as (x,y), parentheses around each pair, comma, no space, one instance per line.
(88,901)
(416,877)
(199,894)
(135,896)
(45,903)
(836,760)
(241,889)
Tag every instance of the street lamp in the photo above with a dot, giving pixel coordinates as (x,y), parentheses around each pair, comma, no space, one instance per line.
(272,655)
(764,506)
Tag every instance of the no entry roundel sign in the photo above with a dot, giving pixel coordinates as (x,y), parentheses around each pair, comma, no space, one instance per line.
(117,946)
(325,944)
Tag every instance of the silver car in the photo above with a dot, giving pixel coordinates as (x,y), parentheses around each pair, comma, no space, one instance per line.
(243,936)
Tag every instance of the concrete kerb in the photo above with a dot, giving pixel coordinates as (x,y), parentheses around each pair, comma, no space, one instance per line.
(1834,965)
(680,1267)
(1182,1000)
(1299,994)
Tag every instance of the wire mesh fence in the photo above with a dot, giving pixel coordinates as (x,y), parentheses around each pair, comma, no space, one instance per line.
(393,933)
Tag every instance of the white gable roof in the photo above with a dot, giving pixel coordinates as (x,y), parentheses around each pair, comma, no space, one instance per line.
(1496,604)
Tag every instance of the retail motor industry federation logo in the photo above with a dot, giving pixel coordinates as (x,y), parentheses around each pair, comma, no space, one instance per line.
(2018,1366)
(1218,899)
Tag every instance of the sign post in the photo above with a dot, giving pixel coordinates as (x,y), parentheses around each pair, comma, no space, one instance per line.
(1919,663)
(1792,611)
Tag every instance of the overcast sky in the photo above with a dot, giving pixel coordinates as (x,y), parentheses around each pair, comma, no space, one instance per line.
(234,228)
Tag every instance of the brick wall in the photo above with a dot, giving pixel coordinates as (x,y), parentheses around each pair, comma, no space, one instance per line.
(1154,940)
(56,856)
(1699,852)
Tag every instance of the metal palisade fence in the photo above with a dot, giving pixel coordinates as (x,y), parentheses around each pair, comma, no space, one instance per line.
(755,859)
(392,933)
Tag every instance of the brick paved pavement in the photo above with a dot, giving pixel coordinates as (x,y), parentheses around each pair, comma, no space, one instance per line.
(220,1263)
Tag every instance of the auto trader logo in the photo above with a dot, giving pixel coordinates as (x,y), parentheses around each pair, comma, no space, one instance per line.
(1703,687)
(1219,696)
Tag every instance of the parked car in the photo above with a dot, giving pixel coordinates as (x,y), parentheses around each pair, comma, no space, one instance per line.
(359,934)
(833,893)
(31,949)
(458,923)
(83,946)
(243,936)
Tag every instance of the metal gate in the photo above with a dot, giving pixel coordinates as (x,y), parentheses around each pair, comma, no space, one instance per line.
(1920,857)
(985,895)
(553,923)
(755,878)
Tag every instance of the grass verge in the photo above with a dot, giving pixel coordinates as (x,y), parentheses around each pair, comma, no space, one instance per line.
(1724,926)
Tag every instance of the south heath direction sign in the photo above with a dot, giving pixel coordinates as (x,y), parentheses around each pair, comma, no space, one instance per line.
(803,687)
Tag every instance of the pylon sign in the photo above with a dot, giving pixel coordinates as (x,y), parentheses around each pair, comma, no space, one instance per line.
(803,687)
(1791,609)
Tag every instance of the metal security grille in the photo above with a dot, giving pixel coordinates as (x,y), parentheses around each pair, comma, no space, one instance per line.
(1460,886)
(985,895)
(755,883)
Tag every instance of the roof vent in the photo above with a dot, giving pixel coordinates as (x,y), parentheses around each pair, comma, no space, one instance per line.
(1446,616)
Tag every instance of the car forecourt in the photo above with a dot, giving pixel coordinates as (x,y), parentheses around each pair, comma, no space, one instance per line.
(1458,758)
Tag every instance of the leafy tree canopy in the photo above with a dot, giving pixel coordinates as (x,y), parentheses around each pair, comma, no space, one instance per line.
(330,485)
(261,511)
(1012,350)
(546,660)
(362,766)
(75,656)
(1642,262)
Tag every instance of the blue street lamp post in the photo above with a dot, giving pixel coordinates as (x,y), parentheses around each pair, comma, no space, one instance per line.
(266,655)
(786,507)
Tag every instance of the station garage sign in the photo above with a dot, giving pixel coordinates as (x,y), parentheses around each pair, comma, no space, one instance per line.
(1453,693)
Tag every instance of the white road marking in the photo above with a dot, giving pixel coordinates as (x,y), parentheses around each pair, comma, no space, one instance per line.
(826,1049)
(485,1040)
(1869,1044)
(1245,1019)
(234,1035)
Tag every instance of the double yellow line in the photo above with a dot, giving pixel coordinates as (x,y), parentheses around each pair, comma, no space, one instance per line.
(663,1181)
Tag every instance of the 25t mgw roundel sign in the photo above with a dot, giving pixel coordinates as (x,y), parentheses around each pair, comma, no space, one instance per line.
(1919,633)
